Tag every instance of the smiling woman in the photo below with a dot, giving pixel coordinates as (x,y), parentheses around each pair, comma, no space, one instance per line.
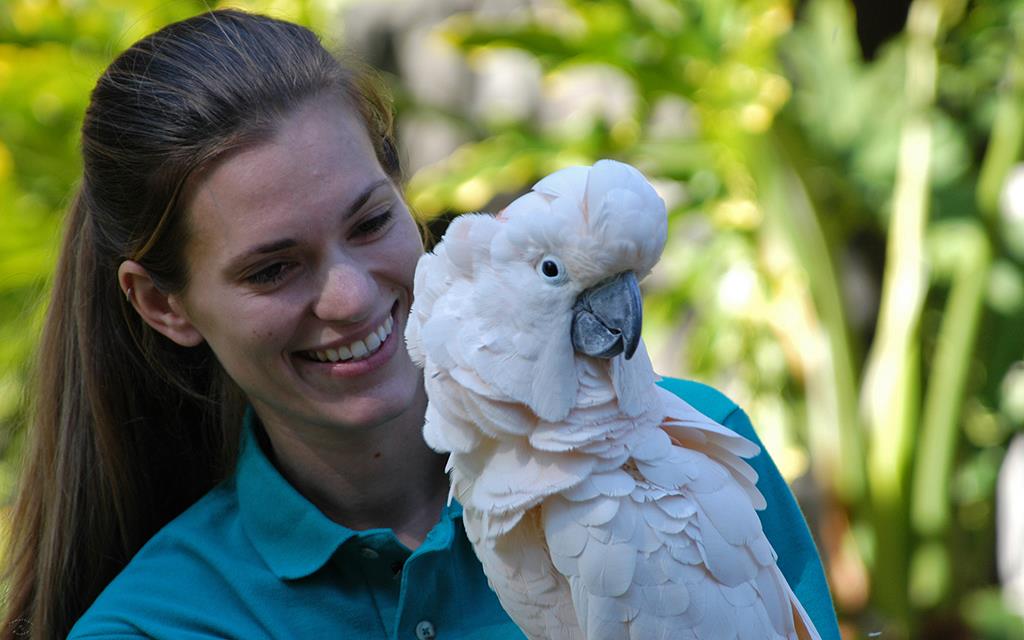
(225,332)
(299,245)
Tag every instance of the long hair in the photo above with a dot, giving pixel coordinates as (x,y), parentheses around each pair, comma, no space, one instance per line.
(127,428)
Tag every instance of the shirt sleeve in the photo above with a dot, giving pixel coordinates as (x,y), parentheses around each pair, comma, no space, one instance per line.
(786,529)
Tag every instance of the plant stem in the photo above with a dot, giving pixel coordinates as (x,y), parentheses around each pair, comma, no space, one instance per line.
(966,242)
(889,400)
(834,430)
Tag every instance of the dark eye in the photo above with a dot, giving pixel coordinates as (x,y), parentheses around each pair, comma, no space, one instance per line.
(552,270)
(374,224)
(269,275)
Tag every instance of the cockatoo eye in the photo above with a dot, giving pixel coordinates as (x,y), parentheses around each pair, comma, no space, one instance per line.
(552,270)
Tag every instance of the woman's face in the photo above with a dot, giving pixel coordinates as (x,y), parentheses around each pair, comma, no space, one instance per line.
(301,259)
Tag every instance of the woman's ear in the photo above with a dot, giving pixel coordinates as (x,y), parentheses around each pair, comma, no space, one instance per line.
(162,311)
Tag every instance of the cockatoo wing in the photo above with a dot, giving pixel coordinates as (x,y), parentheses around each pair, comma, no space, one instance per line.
(519,569)
(670,545)
(691,429)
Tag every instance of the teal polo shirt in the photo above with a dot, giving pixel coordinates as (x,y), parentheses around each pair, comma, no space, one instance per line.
(255,559)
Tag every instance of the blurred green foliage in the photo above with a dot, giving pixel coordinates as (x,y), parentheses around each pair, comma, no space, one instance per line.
(843,259)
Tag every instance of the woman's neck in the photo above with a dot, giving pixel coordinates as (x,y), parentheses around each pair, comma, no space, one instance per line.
(382,477)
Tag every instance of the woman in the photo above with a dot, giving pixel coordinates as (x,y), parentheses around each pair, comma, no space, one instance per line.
(238,267)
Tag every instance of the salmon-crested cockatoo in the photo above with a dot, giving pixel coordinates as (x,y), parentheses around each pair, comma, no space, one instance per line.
(600,505)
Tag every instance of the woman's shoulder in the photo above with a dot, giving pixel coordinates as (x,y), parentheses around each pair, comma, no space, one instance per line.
(720,408)
(708,400)
(182,578)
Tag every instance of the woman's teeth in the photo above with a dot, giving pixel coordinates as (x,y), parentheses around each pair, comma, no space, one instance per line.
(358,350)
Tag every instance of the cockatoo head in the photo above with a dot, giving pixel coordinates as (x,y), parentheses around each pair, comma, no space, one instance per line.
(554,277)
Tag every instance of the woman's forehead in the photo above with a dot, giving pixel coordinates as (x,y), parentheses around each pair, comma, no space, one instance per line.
(317,164)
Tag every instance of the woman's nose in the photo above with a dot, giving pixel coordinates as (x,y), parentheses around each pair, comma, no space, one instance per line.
(347,294)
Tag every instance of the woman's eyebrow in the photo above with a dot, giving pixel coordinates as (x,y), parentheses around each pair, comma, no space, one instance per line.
(361,199)
(286,243)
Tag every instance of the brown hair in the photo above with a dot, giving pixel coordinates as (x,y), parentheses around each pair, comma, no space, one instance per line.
(127,427)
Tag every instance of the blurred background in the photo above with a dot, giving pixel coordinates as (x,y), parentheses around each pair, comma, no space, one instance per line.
(845,184)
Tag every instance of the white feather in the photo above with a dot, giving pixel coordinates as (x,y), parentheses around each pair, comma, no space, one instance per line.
(666,600)
(570,183)
(596,512)
(615,483)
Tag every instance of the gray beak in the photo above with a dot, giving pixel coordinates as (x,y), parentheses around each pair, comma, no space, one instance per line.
(607,317)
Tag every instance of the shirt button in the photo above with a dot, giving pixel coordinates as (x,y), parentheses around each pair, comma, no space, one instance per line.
(369,553)
(425,630)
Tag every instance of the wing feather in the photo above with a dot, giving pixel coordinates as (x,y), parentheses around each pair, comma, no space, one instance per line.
(535,595)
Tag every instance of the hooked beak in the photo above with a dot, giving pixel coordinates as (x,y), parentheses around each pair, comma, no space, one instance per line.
(607,317)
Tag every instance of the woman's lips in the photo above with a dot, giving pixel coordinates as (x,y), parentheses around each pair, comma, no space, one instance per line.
(359,364)
(357,349)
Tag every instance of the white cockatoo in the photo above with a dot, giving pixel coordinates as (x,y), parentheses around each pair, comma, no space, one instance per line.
(600,505)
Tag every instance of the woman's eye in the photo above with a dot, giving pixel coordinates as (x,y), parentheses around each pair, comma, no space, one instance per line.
(374,224)
(269,275)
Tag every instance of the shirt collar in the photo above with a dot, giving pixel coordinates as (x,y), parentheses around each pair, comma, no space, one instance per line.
(292,536)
